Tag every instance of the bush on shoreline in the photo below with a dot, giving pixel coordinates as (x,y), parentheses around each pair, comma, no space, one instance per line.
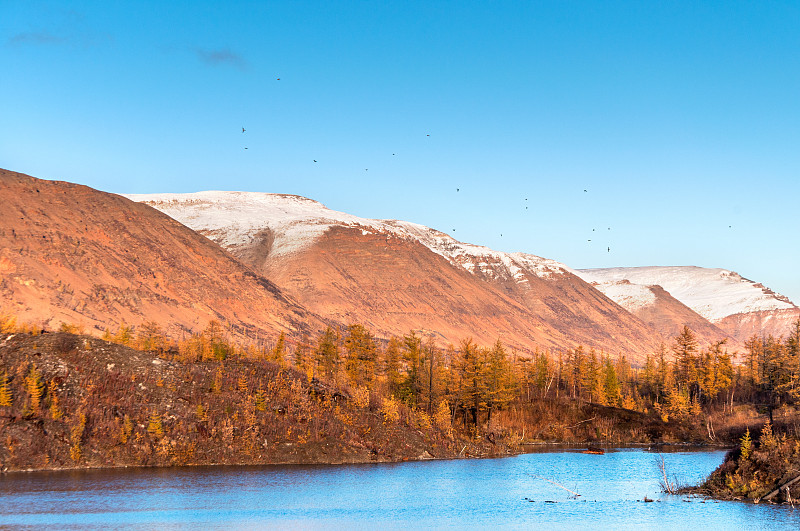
(767,470)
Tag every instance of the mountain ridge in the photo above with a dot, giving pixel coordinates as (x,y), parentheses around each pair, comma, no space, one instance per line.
(305,262)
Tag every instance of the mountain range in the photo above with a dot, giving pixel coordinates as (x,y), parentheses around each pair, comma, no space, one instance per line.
(394,276)
(268,263)
(292,240)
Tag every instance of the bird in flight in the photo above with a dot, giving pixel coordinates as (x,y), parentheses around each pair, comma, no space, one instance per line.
(315,160)
(609,249)
(586,190)
(457,189)
(243,129)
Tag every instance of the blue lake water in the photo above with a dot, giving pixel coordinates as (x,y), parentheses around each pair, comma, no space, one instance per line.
(458,494)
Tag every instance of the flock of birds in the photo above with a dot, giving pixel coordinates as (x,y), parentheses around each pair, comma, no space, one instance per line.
(585,190)
(608,249)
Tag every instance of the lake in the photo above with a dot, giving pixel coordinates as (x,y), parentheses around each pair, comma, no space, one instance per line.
(519,492)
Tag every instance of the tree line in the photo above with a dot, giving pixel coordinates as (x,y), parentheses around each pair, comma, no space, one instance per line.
(470,382)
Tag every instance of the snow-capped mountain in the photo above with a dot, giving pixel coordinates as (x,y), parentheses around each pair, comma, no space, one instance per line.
(395,275)
(373,271)
(235,219)
(739,306)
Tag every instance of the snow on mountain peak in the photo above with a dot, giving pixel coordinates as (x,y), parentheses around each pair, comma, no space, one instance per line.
(712,293)
(235,219)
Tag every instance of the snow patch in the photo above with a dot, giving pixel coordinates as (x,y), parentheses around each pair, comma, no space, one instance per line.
(632,297)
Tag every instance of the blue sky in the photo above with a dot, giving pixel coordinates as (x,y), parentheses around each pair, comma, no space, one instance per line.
(680,120)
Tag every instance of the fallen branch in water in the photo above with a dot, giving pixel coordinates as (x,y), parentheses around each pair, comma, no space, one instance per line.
(557,484)
(776,491)
(666,486)
(670,487)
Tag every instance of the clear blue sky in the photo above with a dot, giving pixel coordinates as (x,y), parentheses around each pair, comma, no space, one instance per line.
(681,120)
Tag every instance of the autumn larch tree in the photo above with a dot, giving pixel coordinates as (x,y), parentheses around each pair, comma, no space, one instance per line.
(280,349)
(685,349)
(472,369)
(327,353)
(411,387)
(361,354)
(501,381)
(392,367)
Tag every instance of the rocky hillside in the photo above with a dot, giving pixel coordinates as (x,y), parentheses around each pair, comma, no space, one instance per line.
(70,401)
(395,275)
(72,254)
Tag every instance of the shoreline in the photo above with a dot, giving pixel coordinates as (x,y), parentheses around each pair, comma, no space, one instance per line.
(545,447)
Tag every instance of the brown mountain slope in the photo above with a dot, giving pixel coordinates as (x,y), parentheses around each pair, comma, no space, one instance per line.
(394,285)
(743,326)
(664,313)
(668,315)
(565,303)
(73,254)
(736,305)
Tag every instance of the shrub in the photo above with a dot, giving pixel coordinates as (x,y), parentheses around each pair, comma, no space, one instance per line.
(390,410)
(442,417)
(155,426)
(361,396)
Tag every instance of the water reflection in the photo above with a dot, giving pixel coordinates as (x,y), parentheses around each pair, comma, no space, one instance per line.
(518,492)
